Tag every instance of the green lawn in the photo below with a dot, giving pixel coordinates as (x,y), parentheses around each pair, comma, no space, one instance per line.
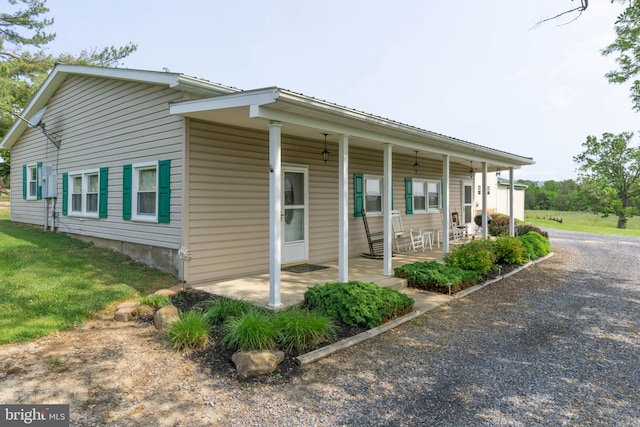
(50,282)
(583,221)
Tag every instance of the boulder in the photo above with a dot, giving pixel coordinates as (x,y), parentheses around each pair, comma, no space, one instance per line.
(124,314)
(165,316)
(255,363)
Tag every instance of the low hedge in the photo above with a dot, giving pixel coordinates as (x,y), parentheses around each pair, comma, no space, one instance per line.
(433,276)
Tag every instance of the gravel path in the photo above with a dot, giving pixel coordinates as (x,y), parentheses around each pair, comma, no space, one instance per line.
(555,344)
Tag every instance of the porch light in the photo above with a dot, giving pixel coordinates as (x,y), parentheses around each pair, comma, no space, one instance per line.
(416,165)
(471,171)
(325,153)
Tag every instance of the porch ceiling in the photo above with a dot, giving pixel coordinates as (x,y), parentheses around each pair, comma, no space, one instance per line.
(309,118)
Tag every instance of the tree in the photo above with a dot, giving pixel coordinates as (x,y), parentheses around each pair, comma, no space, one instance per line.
(24,65)
(627,46)
(610,175)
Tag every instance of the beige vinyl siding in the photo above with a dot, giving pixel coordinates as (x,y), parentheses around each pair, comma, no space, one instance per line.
(106,123)
(228,203)
(228,198)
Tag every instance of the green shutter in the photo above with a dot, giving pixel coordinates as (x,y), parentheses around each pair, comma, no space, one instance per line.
(164,191)
(358,194)
(408,195)
(24,182)
(127,175)
(104,191)
(65,194)
(39,181)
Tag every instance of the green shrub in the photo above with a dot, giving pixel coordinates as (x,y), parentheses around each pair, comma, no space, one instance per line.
(358,303)
(222,308)
(537,245)
(426,275)
(509,250)
(155,301)
(253,330)
(477,255)
(189,333)
(303,329)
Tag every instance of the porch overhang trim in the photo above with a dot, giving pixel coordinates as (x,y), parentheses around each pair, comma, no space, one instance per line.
(413,141)
(242,99)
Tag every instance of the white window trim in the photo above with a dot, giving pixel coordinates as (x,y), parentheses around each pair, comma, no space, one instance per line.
(364,195)
(29,181)
(425,187)
(85,185)
(428,209)
(135,180)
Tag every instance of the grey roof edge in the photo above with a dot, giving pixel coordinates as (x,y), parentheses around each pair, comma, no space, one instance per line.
(61,71)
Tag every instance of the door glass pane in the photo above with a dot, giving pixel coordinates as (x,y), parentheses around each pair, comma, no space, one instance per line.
(467,194)
(294,229)
(293,188)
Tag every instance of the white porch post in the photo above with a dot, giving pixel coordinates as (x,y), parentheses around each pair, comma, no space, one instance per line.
(446,214)
(512,212)
(343,220)
(275,213)
(485,223)
(386,202)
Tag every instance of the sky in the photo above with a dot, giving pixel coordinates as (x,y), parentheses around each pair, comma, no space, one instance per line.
(475,70)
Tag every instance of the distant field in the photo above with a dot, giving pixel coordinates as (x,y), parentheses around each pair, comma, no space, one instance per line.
(583,221)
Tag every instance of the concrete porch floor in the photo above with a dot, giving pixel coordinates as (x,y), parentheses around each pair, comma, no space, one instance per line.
(293,285)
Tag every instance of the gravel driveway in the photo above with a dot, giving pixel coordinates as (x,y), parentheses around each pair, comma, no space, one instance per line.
(556,344)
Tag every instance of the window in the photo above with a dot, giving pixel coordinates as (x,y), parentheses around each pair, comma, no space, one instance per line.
(32,181)
(422,196)
(146,192)
(373,194)
(419,196)
(433,193)
(84,193)
(31,185)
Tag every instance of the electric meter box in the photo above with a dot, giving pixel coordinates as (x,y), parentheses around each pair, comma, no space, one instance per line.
(49,183)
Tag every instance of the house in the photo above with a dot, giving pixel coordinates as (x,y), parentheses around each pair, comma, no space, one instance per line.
(498,196)
(210,182)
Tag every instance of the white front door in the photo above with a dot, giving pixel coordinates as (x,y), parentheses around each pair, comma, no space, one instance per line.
(295,241)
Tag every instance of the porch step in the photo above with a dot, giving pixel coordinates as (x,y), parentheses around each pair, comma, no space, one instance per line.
(393,283)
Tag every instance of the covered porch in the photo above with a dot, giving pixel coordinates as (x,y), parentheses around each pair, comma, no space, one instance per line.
(255,289)
(271,134)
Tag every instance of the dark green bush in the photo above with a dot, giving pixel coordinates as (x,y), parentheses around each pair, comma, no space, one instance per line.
(536,244)
(358,303)
(427,275)
(477,255)
(509,250)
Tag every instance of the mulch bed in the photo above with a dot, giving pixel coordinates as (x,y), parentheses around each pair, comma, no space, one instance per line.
(217,358)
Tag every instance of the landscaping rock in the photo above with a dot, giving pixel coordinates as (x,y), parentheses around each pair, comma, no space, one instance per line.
(165,316)
(255,363)
(125,314)
(166,292)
